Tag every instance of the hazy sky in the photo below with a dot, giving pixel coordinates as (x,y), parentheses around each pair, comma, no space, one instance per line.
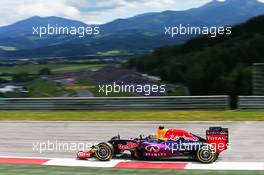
(89,11)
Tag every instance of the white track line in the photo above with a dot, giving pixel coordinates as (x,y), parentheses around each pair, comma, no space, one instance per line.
(226,166)
(82,163)
(189,165)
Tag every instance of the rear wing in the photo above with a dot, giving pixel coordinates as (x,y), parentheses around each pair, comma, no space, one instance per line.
(218,137)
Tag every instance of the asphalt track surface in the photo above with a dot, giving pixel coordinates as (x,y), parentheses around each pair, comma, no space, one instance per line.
(19,138)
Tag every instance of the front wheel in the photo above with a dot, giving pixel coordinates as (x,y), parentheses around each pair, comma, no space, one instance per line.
(206,154)
(104,152)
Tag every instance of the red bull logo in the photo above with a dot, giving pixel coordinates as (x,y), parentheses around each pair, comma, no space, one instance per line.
(176,134)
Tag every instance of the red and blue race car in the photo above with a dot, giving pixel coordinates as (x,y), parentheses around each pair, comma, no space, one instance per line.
(165,144)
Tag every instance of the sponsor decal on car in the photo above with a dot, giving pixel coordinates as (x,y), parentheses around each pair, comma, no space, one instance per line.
(216,138)
(156,154)
(154,151)
(83,155)
(152,148)
(128,146)
(175,135)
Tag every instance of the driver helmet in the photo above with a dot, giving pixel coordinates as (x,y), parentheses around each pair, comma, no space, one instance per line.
(161,132)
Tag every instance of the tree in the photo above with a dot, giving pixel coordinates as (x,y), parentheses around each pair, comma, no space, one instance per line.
(45,71)
(22,77)
(2,80)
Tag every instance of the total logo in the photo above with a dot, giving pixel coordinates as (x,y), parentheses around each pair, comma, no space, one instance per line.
(213,138)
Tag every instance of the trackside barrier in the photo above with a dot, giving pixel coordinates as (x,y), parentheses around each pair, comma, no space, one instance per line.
(251,102)
(116,103)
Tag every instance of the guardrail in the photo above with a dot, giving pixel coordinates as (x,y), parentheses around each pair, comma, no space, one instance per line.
(251,102)
(116,103)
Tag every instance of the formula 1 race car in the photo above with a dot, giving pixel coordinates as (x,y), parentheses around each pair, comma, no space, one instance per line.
(165,144)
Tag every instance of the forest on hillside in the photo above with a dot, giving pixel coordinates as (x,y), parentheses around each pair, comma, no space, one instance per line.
(221,65)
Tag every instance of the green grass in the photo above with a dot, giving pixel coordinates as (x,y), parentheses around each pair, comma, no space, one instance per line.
(7,169)
(77,67)
(7,48)
(41,88)
(150,115)
(178,91)
(6,78)
(150,34)
(109,53)
(56,68)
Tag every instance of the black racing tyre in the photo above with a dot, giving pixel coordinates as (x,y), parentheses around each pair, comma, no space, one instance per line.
(216,157)
(105,151)
(206,154)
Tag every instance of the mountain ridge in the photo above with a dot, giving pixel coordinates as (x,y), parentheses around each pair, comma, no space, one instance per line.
(129,32)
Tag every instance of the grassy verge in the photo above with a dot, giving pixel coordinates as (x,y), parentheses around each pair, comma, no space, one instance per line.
(133,115)
(55,68)
(76,67)
(52,170)
(7,48)
(40,88)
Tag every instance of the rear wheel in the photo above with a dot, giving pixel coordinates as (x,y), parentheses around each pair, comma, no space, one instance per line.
(206,154)
(105,151)
(216,157)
